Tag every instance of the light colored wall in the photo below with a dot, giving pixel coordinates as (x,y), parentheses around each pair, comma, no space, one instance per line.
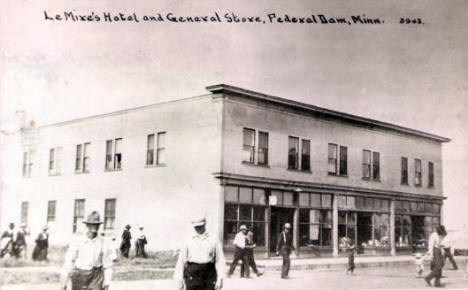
(162,199)
(281,123)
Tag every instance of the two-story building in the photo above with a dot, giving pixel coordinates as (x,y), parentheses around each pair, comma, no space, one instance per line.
(243,158)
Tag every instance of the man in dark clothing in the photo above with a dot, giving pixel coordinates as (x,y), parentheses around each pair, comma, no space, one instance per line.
(285,247)
(7,241)
(20,242)
(249,256)
(126,244)
(42,245)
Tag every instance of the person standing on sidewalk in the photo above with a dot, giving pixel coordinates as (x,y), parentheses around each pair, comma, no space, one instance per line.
(42,246)
(285,247)
(88,261)
(249,254)
(126,244)
(448,251)
(239,251)
(201,263)
(140,244)
(351,251)
(435,251)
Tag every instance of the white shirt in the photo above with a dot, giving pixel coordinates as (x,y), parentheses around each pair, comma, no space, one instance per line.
(239,240)
(434,241)
(86,254)
(201,249)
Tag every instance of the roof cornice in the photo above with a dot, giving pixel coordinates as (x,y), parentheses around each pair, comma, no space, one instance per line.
(227,89)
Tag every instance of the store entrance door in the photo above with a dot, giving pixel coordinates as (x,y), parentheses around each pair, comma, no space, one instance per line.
(364,229)
(279,216)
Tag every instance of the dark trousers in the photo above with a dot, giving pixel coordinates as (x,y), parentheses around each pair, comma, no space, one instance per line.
(284,252)
(448,254)
(239,254)
(437,264)
(250,262)
(125,248)
(87,279)
(200,276)
(140,249)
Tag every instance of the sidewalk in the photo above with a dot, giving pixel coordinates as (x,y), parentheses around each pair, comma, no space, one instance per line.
(51,274)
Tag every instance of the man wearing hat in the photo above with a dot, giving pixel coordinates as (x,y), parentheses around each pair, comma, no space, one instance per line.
(200,265)
(285,247)
(140,244)
(20,242)
(126,244)
(88,261)
(239,251)
(42,245)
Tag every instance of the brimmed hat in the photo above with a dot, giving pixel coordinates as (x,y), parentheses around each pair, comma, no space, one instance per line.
(199,220)
(243,227)
(127,226)
(45,228)
(287,225)
(93,219)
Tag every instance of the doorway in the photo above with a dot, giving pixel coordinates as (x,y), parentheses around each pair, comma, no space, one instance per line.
(279,216)
(418,236)
(364,229)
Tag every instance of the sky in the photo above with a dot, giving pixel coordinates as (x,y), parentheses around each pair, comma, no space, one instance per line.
(412,75)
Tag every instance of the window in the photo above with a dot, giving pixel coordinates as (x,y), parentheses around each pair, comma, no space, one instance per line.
(55,160)
(244,206)
(249,147)
(369,158)
(109,213)
(293,152)
(315,227)
(335,165)
(404,170)
(27,163)
(161,156)
(366,164)
(51,209)
(78,215)
(82,157)
(150,150)
(24,212)
(430,177)
(305,155)
(417,172)
(114,154)
(262,148)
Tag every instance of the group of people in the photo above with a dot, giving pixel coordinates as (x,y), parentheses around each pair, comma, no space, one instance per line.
(244,246)
(140,243)
(13,243)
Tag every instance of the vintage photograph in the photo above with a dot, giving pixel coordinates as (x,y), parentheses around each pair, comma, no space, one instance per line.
(233,145)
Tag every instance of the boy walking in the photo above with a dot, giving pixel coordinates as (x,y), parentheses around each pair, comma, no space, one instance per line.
(351,266)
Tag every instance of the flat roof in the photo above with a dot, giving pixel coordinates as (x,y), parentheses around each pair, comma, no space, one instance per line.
(227,89)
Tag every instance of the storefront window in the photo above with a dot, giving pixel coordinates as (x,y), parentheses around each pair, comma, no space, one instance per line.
(402,231)
(346,228)
(326,200)
(315,227)
(244,206)
(381,230)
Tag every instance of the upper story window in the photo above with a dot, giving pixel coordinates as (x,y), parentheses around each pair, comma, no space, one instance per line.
(250,147)
(24,212)
(78,215)
(55,156)
(109,213)
(82,157)
(158,157)
(417,172)
(337,162)
(27,163)
(430,174)
(51,210)
(370,165)
(296,160)
(404,170)
(114,154)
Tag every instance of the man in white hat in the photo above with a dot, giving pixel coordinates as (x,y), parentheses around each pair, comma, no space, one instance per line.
(285,247)
(239,251)
(88,261)
(201,261)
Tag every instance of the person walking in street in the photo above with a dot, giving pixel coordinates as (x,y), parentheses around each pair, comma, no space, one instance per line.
(351,252)
(239,251)
(448,250)
(88,261)
(126,243)
(8,241)
(20,244)
(249,254)
(201,263)
(284,248)
(42,246)
(140,244)
(435,251)
(419,263)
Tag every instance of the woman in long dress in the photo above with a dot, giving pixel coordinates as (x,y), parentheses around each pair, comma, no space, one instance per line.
(42,246)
